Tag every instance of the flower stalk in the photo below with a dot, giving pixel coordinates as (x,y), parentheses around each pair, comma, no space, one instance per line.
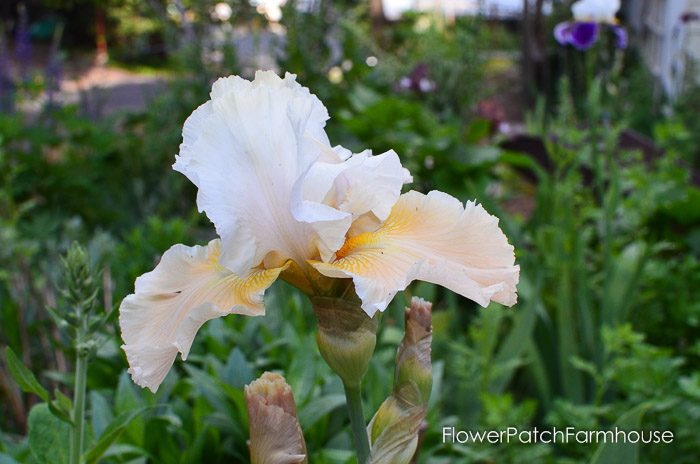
(78,413)
(353,398)
(346,338)
(80,292)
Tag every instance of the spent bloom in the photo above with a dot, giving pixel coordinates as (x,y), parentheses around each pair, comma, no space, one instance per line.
(589,16)
(286,204)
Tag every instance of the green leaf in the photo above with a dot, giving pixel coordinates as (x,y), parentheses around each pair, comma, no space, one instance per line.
(48,436)
(237,371)
(587,367)
(127,399)
(318,408)
(23,376)
(57,411)
(101,413)
(622,452)
(513,349)
(478,130)
(110,435)
(64,403)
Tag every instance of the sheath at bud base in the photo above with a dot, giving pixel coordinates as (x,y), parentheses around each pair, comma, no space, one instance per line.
(346,337)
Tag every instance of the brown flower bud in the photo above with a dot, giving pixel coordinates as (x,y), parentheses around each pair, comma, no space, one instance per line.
(394,429)
(275,433)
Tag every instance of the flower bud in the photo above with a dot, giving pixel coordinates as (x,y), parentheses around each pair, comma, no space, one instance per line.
(346,337)
(275,433)
(394,429)
(413,364)
(81,284)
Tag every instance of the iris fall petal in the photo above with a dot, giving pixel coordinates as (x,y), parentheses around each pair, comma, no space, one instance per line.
(431,238)
(187,288)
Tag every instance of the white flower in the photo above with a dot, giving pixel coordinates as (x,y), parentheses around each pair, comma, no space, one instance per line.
(285,203)
(595,11)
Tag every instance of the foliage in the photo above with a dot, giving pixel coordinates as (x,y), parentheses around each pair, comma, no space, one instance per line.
(607,326)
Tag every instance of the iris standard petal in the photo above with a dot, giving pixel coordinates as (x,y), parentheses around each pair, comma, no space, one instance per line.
(245,150)
(334,195)
(598,11)
(187,288)
(432,238)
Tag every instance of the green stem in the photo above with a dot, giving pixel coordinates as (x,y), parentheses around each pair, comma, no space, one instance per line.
(78,415)
(353,397)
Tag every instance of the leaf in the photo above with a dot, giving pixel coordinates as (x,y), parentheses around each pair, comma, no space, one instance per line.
(126,397)
(23,376)
(622,452)
(110,435)
(513,347)
(64,403)
(101,413)
(587,367)
(48,435)
(237,371)
(478,130)
(61,414)
(319,408)
(126,400)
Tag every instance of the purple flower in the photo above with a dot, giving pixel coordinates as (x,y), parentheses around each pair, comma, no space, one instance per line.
(589,16)
(583,35)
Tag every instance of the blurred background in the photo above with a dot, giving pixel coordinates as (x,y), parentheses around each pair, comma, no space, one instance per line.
(590,157)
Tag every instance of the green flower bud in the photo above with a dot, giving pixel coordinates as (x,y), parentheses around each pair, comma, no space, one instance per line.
(346,337)
(81,284)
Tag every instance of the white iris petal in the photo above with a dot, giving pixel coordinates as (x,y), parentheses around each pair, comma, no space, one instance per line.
(187,288)
(245,150)
(433,238)
(334,195)
(599,11)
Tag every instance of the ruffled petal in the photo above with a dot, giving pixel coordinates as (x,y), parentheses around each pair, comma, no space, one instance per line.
(187,288)
(245,150)
(432,238)
(335,194)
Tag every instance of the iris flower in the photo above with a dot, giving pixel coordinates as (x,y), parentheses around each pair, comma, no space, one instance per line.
(589,17)
(287,205)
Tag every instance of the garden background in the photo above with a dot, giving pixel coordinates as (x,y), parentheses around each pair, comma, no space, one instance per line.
(589,163)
